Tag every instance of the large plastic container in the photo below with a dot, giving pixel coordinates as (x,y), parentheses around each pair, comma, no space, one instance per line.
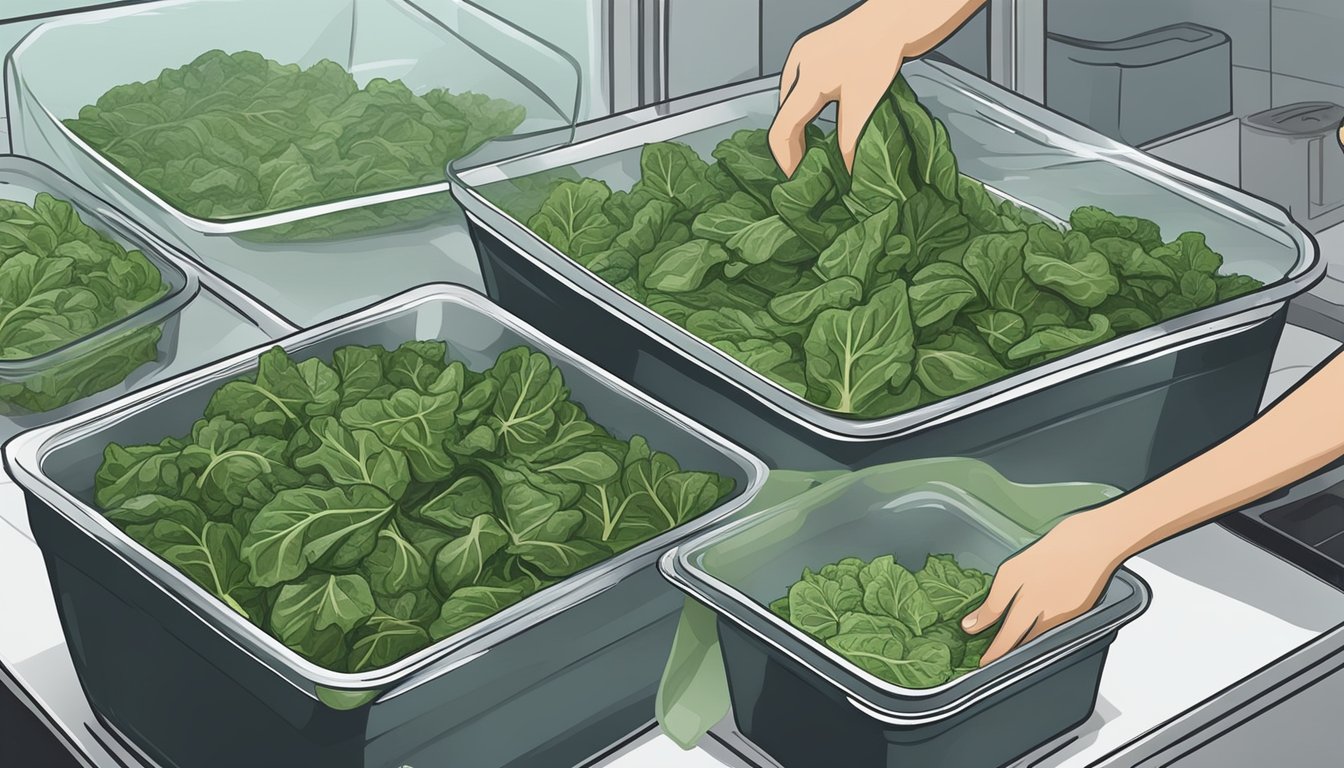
(549,681)
(1158,395)
(319,261)
(808,707)
(102,365)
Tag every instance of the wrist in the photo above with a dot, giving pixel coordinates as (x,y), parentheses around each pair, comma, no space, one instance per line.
(1114,531)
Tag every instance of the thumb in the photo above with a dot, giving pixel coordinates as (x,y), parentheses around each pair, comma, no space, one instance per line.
(1001,595)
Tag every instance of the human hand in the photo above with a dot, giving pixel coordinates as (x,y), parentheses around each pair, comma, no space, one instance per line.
(1056,579)
(851,62)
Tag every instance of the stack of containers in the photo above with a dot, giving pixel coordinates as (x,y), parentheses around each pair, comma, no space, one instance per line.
(1158,395)
(318,260)
(549,681)
(113,359)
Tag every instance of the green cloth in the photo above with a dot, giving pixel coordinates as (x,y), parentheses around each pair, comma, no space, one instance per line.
(693,694)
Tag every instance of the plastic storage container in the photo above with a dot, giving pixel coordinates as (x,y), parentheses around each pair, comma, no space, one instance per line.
(55,384)
(549,681)
(1159,395)
(315,262)
(1144,87)
(1291,155)
(808,707)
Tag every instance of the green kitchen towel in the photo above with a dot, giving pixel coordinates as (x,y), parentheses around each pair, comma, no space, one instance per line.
(693,694)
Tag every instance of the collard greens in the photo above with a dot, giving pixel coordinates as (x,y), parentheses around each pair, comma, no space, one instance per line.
(361,508)
(903,627)
(234,135)
(61,281)
(873,293)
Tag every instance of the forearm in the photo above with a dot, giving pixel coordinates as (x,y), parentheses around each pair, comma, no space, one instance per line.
(920,24)
(1298,436)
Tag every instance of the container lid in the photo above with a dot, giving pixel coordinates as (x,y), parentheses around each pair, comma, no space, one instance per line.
(1303,119)
(1146,49)
(906,510)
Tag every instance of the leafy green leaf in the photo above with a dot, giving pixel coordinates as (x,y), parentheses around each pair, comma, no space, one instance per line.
(572,218)
(746,157)
(684,267)
(1098,224)
(955,363)
(396,565)
(725,219)
(350,457)
(952,590)
(891,590)
(816,607)
(1066,264)
(770,239)
(854,354)
(940,290)
(469,605)
(925,665)
(672,172)
(800,307)
(313,616)
(461,562)
(1052,342)
(857,250)
(306,526)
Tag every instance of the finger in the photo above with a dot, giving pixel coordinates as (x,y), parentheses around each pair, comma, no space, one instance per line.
(1019,623)
(1001,594)
(1045,624)
(856,107)
(788,134)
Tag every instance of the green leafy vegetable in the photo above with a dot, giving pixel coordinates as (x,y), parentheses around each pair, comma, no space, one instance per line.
(235,135)
(874,293)
(361,510)
(901,626)
(61,282)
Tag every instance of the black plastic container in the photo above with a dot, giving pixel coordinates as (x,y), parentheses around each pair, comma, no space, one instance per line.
(809,707)
(1160,394)
(549,681)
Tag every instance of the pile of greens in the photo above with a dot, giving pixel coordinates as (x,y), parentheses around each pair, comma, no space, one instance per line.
(903,627)
(236,135)
(61,281)
(875,293)
(360,510)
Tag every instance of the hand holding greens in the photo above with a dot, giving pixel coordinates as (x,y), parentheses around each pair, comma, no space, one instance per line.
(61,281)
(361,509)
(229,136)
(873,293)
(902,627)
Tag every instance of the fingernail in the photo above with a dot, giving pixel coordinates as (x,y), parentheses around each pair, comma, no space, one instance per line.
(970,621)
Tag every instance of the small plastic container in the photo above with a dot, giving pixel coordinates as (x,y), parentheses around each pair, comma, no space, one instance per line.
(52,385)
(808,707)
(1144,87)
(549,681)
(321,260)
(1160,394)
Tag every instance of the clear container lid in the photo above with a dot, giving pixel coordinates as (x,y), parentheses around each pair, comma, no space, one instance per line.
(51,74)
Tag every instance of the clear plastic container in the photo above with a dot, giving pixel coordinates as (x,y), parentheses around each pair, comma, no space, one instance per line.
(1214,361)
(809,707)
(111,360)
(139,630)
(317,261)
